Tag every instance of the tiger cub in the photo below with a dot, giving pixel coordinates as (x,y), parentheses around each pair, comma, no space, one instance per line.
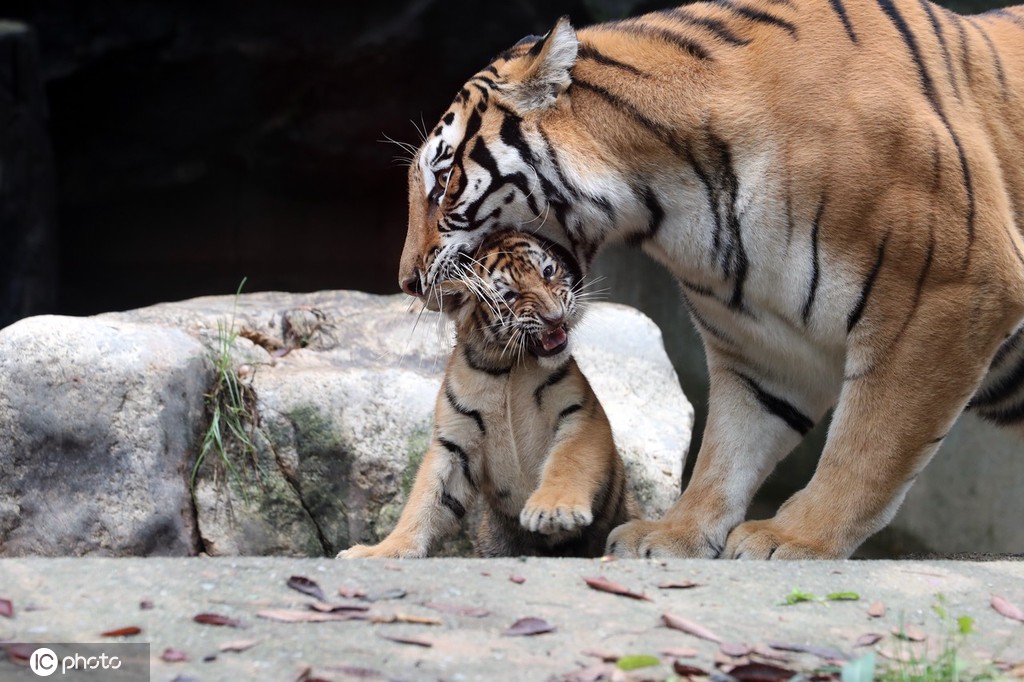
(516,423)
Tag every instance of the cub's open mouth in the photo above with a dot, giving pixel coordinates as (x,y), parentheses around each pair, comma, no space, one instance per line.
(549,342)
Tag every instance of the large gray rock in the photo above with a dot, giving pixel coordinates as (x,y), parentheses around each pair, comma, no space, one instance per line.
(98,422)
(337,395)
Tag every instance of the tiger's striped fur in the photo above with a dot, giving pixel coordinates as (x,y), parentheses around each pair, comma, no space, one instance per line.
(516,422)
(838,187)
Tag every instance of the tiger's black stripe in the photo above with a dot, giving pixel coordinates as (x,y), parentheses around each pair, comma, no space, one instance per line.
(553,378)
(735,261)
(919,290)
(815,266)
(1002,390)
(716,27)
(709,328)
(965,48)
(564,414)
(636,28)
(779,407)
(840,10)
(889,9)
(463,456)
(663,133)
(941,37)
(1007,14)
(1005,416)
(478,365)
(994,54)
(588,51)
(482,156)
(758,16)
(472,128)
(869,284)
(656,216)
(453,505)
(464,411)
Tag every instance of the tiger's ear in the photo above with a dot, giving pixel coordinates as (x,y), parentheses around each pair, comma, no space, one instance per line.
(538,77)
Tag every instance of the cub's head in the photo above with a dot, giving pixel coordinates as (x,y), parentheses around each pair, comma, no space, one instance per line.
(521,295)
(474,175)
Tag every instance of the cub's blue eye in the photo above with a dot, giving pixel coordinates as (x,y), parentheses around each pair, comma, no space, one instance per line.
(549,270)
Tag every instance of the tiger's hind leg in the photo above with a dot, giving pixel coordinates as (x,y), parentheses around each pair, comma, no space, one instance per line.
(900,398)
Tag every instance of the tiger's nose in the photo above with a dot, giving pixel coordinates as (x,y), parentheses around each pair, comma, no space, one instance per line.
(413,285)
(553,321)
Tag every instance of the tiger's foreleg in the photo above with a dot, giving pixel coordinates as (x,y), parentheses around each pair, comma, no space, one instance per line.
(896,404)
(751,426)
(574,471)
(437,503)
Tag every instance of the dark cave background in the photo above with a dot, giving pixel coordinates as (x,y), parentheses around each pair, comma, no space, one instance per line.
(195,144)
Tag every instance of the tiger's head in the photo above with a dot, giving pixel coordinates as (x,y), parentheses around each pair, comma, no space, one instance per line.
(473,175)
(519,295)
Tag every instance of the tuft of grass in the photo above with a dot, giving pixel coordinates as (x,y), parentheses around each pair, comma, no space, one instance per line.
(231,406)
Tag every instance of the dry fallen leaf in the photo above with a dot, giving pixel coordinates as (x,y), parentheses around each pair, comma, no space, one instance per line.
(679,585)
(328,607)
(298,616)
(306,586)
(351,592)
(517,579)
(393,593)
(19,653)
(679,652)
(528,626)
(761,672)
(876,610)
(868,639)
(173,655)
(406,618)
(825,652)
(353,671)
(122,632)
(690,627)
(6,608)
(1005,608)
(593,673)
(458,609)
(724,662)
(769,653)
(401,639)
(146,605)
(239,645)
(604,585)
(687,670)
(217,619)
(735,649)
(606,656)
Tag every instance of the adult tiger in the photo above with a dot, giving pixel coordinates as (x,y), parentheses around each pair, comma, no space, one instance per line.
(838,187)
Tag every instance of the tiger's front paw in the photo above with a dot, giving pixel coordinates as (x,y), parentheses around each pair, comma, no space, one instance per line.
(547,514)
(380,551)
(770,539)
(650,539)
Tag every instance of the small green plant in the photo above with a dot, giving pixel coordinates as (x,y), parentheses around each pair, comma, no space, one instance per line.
(799,596)
(231,406)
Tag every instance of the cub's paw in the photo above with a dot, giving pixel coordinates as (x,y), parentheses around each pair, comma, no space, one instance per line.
(770,539)
(546,515)
(377,552)
(661,539)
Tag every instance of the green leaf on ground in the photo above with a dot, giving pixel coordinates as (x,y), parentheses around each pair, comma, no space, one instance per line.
(843,596)
(796,596)
(637,661)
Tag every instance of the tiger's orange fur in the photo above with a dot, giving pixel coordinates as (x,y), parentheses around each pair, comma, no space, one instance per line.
(837,185)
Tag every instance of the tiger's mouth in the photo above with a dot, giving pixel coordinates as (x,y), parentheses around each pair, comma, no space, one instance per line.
(549,342)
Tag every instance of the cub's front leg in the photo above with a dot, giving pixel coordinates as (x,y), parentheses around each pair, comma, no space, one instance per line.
(437,503)
(577,465)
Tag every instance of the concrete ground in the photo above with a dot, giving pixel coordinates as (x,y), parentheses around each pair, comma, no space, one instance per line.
(452,615)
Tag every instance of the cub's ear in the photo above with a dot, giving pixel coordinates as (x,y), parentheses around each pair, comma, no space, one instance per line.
(536,79)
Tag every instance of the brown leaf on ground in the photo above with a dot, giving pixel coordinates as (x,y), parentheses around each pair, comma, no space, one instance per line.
(303,673)
(517,579)
(679,652)
(354,671)
(217,619)
(687,669)
(330,607)
(146,605)
(761,672)
(528,626)
(735,649)
(392,567)
(6,608)
(173,655)
(592,673)
(910,632)
(405,618)
(606,656)
(769,653)
(604,585)
(876,610)
(239,645)
(458,609)
(402,639)
(1004,608)
(122,632)
(306,586)
(690,627)
(827,653)
(19,653)
(297,616)
(679,585)
(868,639)
(386,595)
(351,592)
(727,663)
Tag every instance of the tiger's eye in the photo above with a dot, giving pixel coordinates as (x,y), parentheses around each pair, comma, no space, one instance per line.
(510,296)
(549,271)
